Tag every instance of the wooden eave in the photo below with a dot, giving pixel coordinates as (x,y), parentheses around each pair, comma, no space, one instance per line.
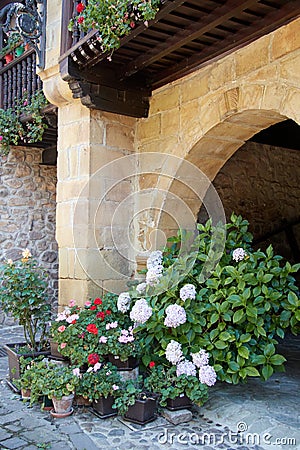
(184,36)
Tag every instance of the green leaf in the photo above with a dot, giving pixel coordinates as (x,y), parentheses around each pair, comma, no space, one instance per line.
(233,366)
(238,316)
(252,371)
(269,350)
(277,360)
(243,351)
(220,345)
(224,336)
(293,299)
(267,371)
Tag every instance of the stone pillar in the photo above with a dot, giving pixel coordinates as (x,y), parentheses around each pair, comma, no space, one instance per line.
(91,223)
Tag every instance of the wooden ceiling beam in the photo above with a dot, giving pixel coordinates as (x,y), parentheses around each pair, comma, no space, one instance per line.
(228,45)
(194,31)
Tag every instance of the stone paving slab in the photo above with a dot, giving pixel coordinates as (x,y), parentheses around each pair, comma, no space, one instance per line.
(261,412)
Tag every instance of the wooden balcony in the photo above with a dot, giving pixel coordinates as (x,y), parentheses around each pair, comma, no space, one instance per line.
(184,36)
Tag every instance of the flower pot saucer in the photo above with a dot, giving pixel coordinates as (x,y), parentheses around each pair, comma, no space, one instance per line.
(60,415)
(140,422)
(104,416)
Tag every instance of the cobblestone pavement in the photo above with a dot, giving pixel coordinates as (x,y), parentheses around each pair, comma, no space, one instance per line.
(265,414)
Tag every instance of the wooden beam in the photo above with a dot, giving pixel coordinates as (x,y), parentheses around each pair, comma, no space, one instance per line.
(193,31)
(279,17)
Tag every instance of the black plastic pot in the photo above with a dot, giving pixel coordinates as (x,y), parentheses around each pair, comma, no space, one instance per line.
(142,411)
(129,364)
(103,407)
(14,354)
(180,402)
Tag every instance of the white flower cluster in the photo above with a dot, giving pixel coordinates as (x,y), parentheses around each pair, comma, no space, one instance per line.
(174,352)
(186,367)
(174,355)
(123,303)
(200,358)
(141,311)
(63,315)
(238,254)
(175,316)
(207,375)
(141,288)
(187,291)
(154,268)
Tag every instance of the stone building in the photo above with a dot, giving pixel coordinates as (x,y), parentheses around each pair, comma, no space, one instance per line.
(137,161)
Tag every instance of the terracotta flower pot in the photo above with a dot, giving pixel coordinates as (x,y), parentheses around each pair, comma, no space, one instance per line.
(8,58)
(62,407)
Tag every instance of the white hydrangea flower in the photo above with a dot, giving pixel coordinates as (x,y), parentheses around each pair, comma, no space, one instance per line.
(200,358)
(173,352)
(186,367)
(123,303)
(187,291)
(153,275)
(155,259)
(141,288)
(238,254)
(141,311)
(207,375)
(175,316)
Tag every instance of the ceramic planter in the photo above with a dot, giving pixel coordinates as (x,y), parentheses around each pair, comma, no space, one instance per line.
(62,407)
(129,364)
(142,411)
(8,58)
(180,402)
(14,354)
(103,407)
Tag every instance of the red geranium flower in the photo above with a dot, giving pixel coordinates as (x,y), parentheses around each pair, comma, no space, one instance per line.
(80,19)
(100,315)
(91,328)
(132,24)
(97,301)
(151,364)
(108,311)
(93,358)
(93,307)
(80,7)
(73,322)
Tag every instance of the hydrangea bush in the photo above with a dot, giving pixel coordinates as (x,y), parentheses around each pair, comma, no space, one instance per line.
(236,314)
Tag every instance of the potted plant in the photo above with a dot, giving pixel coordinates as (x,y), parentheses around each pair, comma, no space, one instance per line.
(12,41)
(176,390)
(77,331)
(122,347)
(113,22)
(13,126)
(59,383)
(23,294)
(135,403)
(99,384)
(31,380)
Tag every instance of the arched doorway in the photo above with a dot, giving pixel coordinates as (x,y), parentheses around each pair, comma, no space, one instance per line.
(261,182)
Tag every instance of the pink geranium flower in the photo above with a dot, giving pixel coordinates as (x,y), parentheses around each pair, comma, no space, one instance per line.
(61,328)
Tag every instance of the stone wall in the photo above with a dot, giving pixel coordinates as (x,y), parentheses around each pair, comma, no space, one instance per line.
(27,211)
(261,183)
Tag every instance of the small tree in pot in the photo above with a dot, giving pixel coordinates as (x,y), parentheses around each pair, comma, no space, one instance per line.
(23,294)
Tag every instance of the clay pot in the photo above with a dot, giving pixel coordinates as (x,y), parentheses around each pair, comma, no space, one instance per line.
(62,407)
(8,58)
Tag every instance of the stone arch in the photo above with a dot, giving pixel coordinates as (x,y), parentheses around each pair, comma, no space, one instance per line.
(243,112)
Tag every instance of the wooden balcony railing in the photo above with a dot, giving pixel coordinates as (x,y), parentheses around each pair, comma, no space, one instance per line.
(18,77)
